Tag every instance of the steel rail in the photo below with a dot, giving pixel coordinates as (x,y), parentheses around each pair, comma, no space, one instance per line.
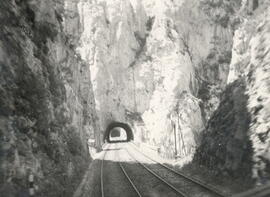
(207,187)
(128,177)
(182,194)
(101,173)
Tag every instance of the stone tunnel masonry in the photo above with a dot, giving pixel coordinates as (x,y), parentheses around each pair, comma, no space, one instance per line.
(111,126)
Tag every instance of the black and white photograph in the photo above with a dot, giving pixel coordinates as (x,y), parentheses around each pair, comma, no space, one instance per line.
(134,98)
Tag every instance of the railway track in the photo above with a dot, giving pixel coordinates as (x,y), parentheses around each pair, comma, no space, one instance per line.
(196,182)
(118,169)
(101,173)
(177,191)
(128,177)
(133,189)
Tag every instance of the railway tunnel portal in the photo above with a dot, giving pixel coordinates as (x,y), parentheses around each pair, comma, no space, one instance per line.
(116,130)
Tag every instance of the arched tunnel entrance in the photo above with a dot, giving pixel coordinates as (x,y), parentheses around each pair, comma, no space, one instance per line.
(118,132)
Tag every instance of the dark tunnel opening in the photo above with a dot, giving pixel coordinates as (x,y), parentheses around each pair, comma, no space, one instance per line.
(112,132)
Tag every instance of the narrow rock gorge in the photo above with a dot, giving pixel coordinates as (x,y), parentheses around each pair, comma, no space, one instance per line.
(188,77)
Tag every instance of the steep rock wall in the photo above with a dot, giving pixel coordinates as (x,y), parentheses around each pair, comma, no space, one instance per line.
(154,66)
(236,139)
(47,105)
(163,66)
(114,33)
(225,143)
(187,80)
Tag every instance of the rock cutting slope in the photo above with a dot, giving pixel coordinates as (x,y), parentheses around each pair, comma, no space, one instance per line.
(236,139)
(47,103)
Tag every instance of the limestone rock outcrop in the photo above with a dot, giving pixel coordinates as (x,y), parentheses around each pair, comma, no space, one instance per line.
(165,68)
(47,108)
(151,59)
(236,139)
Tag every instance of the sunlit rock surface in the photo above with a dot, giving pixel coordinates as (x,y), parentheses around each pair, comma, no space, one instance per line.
(151,59)
(47,109)
(164,67)
(114,33)
(259,99)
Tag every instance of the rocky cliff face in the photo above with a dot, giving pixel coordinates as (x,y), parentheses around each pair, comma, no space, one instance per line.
(47,104)
(236,139)
(164,67)
(225,143)
(113,36)
(160,65)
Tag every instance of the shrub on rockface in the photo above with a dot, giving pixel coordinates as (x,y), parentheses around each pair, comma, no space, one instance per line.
(225,147)
(220,11)
(212,77)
